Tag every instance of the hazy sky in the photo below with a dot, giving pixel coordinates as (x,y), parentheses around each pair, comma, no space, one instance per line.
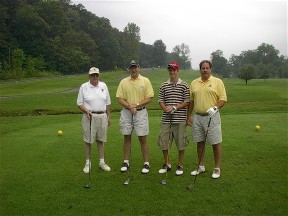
(205,26)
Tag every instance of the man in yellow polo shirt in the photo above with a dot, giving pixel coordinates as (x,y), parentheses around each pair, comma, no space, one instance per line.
(134,93)
(207,97)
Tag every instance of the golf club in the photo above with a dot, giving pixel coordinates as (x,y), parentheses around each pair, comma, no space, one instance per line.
(164,181)
(126,182)
(89,175)
(190,186)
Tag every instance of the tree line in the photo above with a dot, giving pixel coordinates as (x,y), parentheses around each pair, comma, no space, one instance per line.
(56,36)
(262,63)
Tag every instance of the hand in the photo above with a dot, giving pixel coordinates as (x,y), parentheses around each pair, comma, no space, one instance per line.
(89,115)
(173,109)
(212,111)
(189,122)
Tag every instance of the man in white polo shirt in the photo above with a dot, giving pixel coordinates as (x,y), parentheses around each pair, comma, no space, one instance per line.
(94,100)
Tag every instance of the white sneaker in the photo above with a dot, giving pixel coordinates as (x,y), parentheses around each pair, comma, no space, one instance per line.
(145,169)
(165,168)
(86,168)
(104,166)
(216,173)
(201,169)
(125,167)
(179,170)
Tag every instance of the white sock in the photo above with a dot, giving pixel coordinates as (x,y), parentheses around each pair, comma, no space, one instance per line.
(126,161)
(88,161)
(201,167)
(102,161)
(146,163)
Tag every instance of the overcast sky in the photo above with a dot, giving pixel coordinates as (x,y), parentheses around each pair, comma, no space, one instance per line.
(205,26)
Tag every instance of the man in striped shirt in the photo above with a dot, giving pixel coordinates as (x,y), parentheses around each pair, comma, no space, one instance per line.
(173,98)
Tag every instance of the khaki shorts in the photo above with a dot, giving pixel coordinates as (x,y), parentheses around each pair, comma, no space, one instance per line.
(176,132)
(99,125)
(140,122)
(199,129)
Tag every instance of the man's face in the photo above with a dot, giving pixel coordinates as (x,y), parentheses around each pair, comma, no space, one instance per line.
(205,71)
(94,78)
(134,70)
(173,73)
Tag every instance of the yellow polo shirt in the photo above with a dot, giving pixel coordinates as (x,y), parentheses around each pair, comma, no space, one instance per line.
(135,90)
(207,94)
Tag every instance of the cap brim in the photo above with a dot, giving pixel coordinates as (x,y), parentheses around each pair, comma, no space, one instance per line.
(174,68)
(133,65)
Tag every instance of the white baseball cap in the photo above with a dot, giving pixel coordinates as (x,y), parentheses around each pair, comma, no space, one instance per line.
(94,70)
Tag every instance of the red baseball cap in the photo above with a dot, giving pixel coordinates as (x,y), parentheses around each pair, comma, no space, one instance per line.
(173,65)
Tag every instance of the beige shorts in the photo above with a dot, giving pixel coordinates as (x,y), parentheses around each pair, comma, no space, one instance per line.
(138,122)
(199,129)
(99,125)
(176,132)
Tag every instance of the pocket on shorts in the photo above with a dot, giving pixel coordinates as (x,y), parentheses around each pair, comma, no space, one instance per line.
(185,140)
(215,120)
(164,143)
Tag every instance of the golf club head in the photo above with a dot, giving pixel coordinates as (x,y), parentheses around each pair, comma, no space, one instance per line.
(87,186)
(126,182)
(189,187)
(164,182)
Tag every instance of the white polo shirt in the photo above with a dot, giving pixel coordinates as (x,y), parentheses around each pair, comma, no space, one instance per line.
(94,98)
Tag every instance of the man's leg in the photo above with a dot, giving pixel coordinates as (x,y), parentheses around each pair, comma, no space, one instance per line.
(144,148)
(201,152)
(217,154)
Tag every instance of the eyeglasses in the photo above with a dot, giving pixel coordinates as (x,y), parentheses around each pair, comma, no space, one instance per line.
(94,75)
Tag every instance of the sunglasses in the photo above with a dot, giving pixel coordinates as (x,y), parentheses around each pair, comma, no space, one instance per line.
(172,65)
(94,75)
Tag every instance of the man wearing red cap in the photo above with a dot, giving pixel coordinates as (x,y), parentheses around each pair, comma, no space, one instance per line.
(173,98)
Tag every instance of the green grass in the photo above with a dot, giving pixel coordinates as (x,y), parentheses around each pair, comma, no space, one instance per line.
(41,173)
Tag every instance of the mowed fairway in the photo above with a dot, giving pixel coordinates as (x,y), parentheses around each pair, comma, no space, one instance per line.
(41,173)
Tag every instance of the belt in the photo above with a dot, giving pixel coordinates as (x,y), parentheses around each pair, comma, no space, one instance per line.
(202,114)
(100,112)
(139,109)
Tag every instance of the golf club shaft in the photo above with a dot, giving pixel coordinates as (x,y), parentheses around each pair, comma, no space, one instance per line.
(170,140)
(167,156)
(132,124)
(90,126)
(201,154)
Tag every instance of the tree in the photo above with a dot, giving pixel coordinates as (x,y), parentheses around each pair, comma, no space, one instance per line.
(247,72)
(31,31)
(159,53)
(130,44)
(146,55)
(267,54)
(181,54)
(18,58)
(220,65)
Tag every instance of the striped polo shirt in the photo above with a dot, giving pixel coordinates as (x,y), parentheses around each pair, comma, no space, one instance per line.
(172,94)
